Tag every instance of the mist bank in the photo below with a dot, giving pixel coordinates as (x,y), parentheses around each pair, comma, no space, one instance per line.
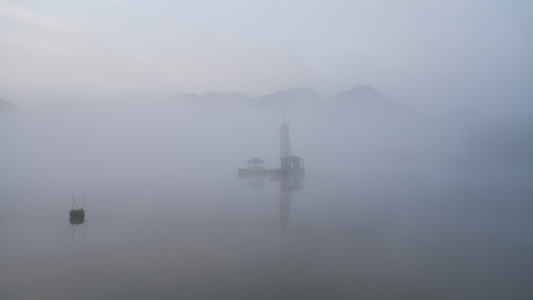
(188,137)
(362,123)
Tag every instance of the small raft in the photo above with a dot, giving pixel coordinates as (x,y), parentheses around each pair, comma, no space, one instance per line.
(77,216)
(77,213)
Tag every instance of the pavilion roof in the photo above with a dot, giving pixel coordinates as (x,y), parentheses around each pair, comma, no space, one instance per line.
(255,160)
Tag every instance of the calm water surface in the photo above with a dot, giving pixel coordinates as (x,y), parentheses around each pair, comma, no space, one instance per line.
(406,233)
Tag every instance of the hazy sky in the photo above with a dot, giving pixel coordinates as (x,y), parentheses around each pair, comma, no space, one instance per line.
(431,55)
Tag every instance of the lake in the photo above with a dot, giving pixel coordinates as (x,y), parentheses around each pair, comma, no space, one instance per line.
(375,232)
(378,214)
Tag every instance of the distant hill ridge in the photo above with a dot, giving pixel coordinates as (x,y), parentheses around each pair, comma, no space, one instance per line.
(361,99)
(357,94)
(361,102)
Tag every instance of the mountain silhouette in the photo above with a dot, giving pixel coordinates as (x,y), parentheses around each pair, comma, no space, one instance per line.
(289,98)
(4,104)
(190,98)
(360,93)
(366,98)
(361,101)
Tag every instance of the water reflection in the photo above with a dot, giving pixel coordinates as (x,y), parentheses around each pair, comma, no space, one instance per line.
(78,226)
(289,183)
(254,180)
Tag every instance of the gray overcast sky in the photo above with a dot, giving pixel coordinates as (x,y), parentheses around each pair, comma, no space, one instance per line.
(431,55)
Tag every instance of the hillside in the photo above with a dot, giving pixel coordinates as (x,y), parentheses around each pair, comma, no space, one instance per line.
(4,104)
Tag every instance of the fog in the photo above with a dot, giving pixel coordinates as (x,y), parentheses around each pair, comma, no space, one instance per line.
(393,203)
(432,56)
(266,149)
